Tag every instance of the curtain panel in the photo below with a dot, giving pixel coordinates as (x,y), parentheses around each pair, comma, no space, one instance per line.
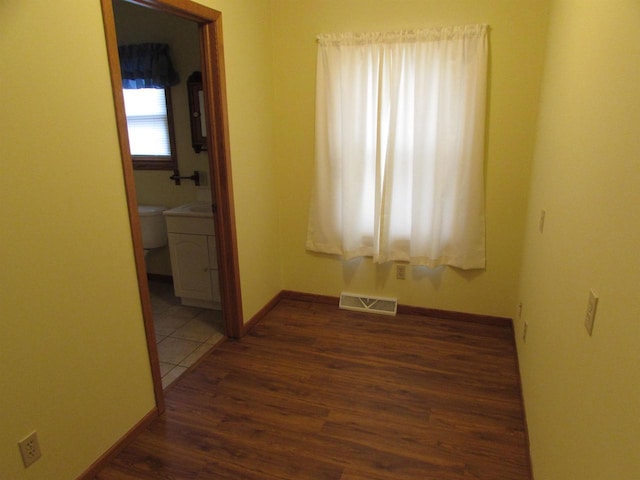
(400,127)
(146,65)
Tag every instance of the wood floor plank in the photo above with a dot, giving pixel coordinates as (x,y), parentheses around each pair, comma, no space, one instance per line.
(314,392)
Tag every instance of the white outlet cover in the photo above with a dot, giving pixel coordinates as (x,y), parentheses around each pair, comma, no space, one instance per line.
(401,272)
(30,449)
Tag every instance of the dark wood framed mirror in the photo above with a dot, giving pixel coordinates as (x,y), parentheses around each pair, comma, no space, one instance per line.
(196,110)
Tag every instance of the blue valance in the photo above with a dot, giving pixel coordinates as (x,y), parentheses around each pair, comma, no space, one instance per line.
(147,65)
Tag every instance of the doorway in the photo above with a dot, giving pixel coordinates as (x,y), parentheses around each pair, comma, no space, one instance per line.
(213,82)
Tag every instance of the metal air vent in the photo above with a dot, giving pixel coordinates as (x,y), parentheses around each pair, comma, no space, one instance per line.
(364,303)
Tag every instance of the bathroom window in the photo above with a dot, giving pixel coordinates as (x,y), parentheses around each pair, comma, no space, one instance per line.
(150,127)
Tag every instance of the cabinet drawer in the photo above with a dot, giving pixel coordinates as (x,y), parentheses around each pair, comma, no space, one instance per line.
(193,225)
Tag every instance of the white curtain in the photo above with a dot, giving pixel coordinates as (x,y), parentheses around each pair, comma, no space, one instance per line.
(399,146)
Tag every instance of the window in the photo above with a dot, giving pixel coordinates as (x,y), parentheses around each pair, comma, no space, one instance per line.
(150,127)
(400,146)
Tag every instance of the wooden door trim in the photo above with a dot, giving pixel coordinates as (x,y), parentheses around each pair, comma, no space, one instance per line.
(215,93)
(214,86)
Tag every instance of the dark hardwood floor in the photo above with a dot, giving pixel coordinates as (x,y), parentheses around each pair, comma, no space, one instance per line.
(314,392)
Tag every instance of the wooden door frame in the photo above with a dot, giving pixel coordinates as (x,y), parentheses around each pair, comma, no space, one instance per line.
(213,80)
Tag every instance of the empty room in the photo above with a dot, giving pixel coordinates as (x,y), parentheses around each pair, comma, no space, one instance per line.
(408,222)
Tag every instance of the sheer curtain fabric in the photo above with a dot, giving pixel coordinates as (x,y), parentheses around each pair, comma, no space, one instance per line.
(399,146)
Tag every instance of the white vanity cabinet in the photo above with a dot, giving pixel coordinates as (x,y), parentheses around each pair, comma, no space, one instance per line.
(194,264)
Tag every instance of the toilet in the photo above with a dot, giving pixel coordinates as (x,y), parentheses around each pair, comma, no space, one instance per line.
(154,228)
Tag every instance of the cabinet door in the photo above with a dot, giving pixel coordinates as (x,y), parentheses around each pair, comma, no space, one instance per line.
(190,265)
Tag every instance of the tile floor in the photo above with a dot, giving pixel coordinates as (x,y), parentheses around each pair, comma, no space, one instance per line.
(183,334)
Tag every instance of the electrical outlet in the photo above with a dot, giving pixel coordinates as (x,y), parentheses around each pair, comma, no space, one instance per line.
(525,329)
(30,449)
(591,312)
(401,272)
(543,214)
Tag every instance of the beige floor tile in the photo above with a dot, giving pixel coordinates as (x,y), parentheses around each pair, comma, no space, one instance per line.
(195,355)
(197,330)
(162,297)
(183,334)
(172,376)
(213,317)
(165,368)
(174,350)
(170,320)
(183,311)
(159,305)
(215,338)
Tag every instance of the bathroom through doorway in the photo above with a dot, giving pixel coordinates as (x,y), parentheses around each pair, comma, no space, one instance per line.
(208,23)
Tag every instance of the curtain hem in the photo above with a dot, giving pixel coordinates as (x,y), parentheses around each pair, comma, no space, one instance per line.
(445,261)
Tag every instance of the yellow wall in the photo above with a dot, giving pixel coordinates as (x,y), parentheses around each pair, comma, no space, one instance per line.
(518,33)
(247,44)
(73,357)
(71,318)
(582,393)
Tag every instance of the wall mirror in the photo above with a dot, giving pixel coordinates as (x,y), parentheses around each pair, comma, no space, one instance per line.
(197,115)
